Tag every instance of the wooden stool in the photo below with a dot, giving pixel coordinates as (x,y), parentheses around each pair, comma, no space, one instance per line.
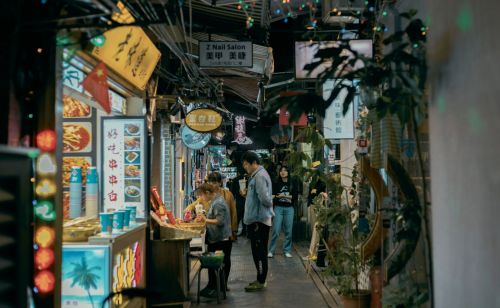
(219,273)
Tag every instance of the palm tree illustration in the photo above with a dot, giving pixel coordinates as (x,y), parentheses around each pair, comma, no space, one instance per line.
(83,275)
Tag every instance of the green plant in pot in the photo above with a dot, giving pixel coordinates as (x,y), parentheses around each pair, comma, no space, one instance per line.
(346,263)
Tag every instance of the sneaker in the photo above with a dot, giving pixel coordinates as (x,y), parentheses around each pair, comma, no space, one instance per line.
(270,255)
(288,255)
(256,287)
(212,294)
(253,282)
(207,292)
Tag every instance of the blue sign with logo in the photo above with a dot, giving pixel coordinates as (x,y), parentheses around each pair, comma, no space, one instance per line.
(194,140)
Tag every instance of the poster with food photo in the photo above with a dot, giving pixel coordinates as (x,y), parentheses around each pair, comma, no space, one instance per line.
(132,190)
(74,108)
(65,204)
(132,157)
(77,137)
(132,171)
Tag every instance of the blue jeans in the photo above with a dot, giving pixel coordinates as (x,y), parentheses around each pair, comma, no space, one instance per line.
(284,217)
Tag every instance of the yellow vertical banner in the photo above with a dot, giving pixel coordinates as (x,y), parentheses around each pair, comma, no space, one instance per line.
(129,52)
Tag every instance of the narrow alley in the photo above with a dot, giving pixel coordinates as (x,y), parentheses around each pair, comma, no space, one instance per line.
(289,285)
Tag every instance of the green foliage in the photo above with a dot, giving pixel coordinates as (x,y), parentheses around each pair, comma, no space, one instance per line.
(345,259)
(405,293)
(408,216)
(396,80)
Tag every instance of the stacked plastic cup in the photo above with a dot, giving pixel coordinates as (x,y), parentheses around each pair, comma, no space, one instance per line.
(106,223)
(75,192)
(126,219)
(133,213)
(117,221)
(91,193)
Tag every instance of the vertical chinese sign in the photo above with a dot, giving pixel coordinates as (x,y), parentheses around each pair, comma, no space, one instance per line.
(336,125)
(123,163)
(240,132)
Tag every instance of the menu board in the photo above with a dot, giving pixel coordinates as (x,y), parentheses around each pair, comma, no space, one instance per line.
(123,172)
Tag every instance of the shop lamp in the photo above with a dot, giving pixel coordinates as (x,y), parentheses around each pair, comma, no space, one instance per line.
(45,188)
(44,258)
(46,164)
(45,281)
(46,140)
(98,40)
(44,210)
(45,236)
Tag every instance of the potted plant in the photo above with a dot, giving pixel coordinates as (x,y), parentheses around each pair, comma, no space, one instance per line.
(339,211)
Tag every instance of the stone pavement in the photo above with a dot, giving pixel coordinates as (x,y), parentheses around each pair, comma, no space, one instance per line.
(288,283)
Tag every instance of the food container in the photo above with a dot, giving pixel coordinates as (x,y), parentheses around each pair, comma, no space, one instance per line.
(198,227)
(78,234)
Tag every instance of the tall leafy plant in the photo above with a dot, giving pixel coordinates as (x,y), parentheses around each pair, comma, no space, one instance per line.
(391,83)
(341,217)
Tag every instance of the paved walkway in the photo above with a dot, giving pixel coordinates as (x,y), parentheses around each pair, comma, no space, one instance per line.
(288,283)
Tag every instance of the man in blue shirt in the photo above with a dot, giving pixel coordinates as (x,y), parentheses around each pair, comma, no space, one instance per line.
(258,216)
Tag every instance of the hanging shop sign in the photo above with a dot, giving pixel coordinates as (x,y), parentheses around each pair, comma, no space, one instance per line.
(240,131)
(336,125)
(130,53)
(123,163)
(226,54)
(192,139)
(203,120)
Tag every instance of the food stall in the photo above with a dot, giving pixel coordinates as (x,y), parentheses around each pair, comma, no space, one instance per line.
(105,167)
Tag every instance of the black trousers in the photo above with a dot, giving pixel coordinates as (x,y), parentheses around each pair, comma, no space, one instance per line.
(258,233)
(240,211)
(226,247)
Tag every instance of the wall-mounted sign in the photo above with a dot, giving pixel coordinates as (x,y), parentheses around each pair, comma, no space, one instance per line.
(229,172)
(123,163)
(203,120)
(194,140)
(226,54)
(130,53)
(240,132)
(336,125)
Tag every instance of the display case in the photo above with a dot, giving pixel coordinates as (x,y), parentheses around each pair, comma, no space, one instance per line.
(104,264)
